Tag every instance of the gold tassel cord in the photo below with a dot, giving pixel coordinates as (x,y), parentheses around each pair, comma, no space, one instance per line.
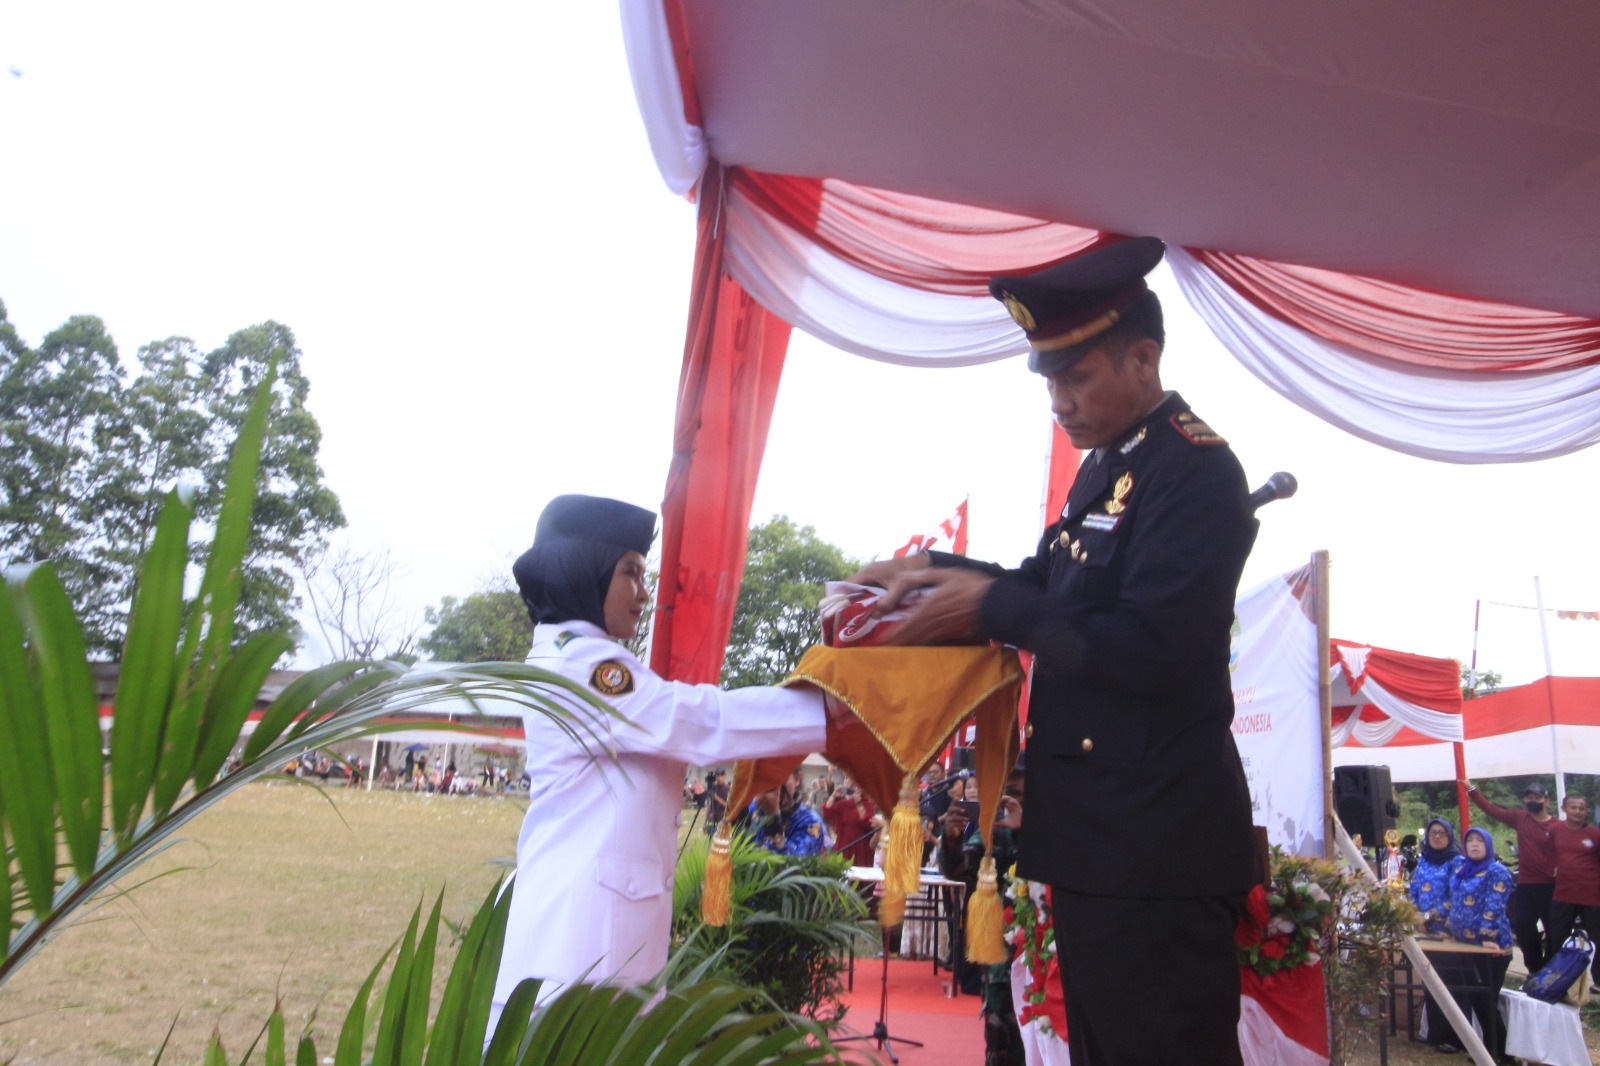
(986,942)
(716,895)
(891,909)
(902,860)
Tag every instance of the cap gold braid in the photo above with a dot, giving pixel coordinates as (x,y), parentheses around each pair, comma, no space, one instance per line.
(1074,336)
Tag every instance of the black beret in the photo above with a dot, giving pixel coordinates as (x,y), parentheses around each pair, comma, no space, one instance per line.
(595,518)
(1068,304)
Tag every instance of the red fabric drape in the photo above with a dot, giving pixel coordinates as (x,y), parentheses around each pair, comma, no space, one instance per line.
(920,243)
(732,360)
(1409,325)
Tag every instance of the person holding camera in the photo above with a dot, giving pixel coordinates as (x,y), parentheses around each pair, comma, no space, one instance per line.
(849,817)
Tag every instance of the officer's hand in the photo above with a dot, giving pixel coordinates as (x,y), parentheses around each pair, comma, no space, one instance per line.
(949,610)
(955,824)
(883,571)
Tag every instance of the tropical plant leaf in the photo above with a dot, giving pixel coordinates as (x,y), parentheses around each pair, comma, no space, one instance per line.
(148,671)
(391,1023)
(25,786)
(71,713)
(237,687)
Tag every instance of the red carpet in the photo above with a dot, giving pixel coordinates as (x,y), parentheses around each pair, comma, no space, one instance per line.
(950,1029)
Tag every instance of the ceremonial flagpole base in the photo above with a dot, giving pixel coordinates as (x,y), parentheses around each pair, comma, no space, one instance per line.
(880,1029)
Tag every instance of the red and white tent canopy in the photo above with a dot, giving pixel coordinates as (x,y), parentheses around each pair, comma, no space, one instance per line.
(1515,731)
(1390,214)
(1378,693)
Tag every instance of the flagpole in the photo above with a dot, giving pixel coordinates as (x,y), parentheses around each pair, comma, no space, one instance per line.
(1319,570)
(1550,695)
(1460,746)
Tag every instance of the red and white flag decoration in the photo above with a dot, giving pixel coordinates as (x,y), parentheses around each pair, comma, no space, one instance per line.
(950,536)
(1584,616)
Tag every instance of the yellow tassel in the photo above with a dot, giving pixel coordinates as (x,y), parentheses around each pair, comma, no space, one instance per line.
(986,942)
(902,860)
(716,895)
(891,909)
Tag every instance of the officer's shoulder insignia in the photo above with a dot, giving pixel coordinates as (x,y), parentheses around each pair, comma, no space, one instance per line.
(611,678)
(1194,430)
(565,637)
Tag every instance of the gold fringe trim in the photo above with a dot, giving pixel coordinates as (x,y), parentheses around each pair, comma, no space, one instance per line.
(902,859)
(891,909)
(716,894)
(986,942)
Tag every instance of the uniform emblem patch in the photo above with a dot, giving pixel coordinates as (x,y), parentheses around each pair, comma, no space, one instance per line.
(1119,494)
(611,678)
(566,637)
(1194,430)
(1137,439)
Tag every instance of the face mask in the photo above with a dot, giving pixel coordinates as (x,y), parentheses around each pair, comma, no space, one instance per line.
(1534,806)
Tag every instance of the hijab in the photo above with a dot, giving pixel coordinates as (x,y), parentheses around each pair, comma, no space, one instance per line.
(566,574)
(1439,856)
(1471,867)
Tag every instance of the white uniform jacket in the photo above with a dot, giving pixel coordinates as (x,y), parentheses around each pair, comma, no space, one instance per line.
(598,847)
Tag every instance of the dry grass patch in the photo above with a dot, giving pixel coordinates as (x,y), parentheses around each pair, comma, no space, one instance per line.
(288,895)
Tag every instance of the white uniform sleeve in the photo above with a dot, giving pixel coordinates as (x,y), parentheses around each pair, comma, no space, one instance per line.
(703,724)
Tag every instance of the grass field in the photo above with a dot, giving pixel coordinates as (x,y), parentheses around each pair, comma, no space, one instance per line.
(284,895)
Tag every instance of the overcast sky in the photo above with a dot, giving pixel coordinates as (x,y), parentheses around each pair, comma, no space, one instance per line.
(455,210)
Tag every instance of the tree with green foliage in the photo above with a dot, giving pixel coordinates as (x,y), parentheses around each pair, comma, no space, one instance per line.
(776,617)
(1481,684)
(484,627)
(86,458)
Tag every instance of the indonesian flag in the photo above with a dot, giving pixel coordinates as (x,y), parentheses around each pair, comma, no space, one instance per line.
(950,536)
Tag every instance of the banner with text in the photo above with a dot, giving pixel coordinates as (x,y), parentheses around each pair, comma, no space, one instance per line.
(1276,720)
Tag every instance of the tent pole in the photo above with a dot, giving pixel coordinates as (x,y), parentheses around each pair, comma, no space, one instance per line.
(1319,570)
(372,763)
(1550,696)
(1461,747)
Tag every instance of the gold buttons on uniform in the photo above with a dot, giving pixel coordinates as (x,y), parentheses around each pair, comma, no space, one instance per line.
(1087,745)
(1028,732)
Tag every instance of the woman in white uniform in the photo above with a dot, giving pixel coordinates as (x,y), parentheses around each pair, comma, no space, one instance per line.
(595,857)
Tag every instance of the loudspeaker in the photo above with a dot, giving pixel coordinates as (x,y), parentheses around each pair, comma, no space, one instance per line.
(1363,796)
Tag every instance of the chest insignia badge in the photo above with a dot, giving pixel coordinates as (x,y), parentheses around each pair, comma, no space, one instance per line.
(1119,494)
(611,678)
(1078,553)
(1103,523)
(1138,438)
(566,637)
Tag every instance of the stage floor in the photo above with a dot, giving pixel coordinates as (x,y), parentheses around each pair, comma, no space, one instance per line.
(950,1029)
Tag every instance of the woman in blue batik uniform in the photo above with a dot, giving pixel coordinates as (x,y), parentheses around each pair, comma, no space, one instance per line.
(1480,887)
(1430,885)
(1479,890)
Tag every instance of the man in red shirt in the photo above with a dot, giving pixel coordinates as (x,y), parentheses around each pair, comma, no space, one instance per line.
(1577,876)
(849,816)
(1536,868)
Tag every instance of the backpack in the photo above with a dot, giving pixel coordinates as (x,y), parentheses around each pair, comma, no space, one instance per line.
(1565,968)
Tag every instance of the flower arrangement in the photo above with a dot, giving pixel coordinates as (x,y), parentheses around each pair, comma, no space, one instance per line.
(1029,928)
(1285,922)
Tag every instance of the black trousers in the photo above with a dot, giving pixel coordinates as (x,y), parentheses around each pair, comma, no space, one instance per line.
(1149,982)
(1530,910)
(1563,917)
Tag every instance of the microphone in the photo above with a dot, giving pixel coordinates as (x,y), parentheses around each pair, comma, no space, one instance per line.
(1279,486)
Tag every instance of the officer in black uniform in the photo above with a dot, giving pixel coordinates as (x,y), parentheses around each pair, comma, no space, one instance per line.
(1138,808)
